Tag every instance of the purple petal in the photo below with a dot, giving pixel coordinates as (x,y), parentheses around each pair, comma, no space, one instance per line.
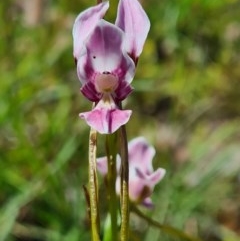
(105,54)
(123,90)
(105,120)
(156,176)
(139,189)
(85,71)
(141,155)
(133,20)
(105,47)
(85,24)
(89,91)
(151,179)
(135,189)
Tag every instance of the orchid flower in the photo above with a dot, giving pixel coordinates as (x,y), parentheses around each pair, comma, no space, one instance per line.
(106,55)
(142,177)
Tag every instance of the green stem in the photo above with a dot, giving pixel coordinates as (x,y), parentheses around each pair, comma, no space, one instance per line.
(166,228)
(111,150)
(124,232)
(93,186)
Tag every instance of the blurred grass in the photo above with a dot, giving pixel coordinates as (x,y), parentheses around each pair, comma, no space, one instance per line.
(186,102)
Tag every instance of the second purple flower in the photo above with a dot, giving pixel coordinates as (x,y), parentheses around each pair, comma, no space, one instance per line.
(142,177)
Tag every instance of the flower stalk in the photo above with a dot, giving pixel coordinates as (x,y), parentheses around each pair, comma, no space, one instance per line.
(93,186)
(111,151)
(124,232)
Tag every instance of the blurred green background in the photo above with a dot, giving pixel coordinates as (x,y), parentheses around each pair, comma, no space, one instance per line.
(186,103)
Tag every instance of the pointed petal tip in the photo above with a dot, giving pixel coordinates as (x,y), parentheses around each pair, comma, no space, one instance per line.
(157,176)
(84,24)
(133,20)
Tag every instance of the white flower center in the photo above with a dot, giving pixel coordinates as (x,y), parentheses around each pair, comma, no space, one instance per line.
(106,82)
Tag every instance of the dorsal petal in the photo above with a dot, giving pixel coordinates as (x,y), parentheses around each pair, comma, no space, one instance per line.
(85,24)
(104,53)
(105,50)
(133,20)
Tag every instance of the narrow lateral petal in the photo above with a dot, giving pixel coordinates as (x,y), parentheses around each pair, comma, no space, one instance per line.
(85,24)
(106,121)
(156,176)
(133,20)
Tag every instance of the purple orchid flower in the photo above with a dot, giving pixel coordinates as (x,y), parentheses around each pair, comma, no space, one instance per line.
(106,57)
(142,177)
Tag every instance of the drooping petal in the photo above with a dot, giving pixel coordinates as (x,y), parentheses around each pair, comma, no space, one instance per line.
(141,155)
(85,24)
(104,119)
(119,118)
(133,20)
(105,54)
